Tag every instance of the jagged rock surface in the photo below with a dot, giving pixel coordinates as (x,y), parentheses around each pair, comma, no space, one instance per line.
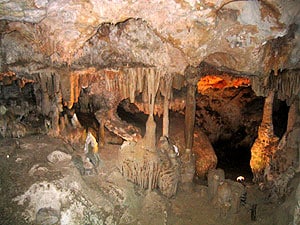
(219,32)
(150,169)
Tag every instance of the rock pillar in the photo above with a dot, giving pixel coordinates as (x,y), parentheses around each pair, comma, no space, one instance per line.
(167,94)
(153,78)
(191,74)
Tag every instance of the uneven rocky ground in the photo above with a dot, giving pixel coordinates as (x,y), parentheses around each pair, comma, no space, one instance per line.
(36,191)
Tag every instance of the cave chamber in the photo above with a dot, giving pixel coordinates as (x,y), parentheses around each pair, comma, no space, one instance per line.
(127,105)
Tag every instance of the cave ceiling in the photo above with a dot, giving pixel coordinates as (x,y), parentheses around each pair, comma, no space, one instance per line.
(253,37)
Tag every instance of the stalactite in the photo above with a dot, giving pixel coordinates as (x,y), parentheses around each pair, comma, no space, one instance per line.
(70,91)
(286,84)
(140,79)
(121,84)
(41,92)
(132,82)
(113,80)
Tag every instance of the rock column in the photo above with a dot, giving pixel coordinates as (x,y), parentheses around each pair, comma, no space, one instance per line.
(168,87)
(153,78)
(190,108)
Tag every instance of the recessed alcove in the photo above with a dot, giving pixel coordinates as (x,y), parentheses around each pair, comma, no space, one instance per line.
(229,113)
(130,113)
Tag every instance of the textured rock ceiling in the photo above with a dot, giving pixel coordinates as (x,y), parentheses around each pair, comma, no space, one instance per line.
(248,36)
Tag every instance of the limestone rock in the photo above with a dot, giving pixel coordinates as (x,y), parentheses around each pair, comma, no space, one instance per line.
(58,157)
(219,32)
(150,169)
(47,216)
(37,170)
(206,158)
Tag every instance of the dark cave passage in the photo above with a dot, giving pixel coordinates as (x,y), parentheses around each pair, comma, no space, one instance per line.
(129,113)
(87,120)
(280,117)
(235,161)
(230,117)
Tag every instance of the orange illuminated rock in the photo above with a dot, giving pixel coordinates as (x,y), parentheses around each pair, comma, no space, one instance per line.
(206,158)
(221,81)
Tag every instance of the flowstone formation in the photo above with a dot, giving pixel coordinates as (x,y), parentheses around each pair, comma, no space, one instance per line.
(151,169)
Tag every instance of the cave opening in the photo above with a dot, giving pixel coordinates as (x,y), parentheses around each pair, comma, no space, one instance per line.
(229,113)
(130,113)
(19,109)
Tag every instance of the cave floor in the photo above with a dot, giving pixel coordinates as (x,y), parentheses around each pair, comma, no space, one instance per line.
(190,206)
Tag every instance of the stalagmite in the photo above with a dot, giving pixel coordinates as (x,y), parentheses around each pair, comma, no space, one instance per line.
(90,141)
(150,169)
(214,178)
(266,143)
(285,161)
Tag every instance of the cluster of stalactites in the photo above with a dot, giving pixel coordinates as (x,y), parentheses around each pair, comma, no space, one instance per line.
(286,85)
(130,82)
(127,82)
(55,89)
